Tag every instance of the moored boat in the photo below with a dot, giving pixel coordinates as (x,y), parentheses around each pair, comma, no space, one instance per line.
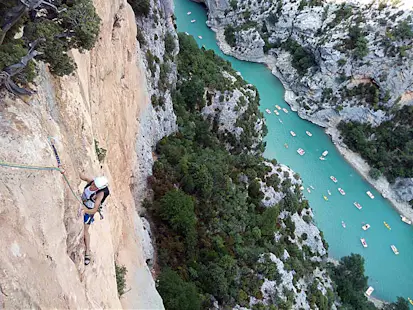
(343,224)
(333,179)
(365,227)
(370,194)
(369,291)
(293,133)
(286,145)
(189,13)
(308,133)
(325,197)
(268,111)
(394,249)
(280,121)
(406,220)
(200,37)
(325,153)
(278,107)
(410,300)
(357,205)
(301,151)
(387,225)
(193,21)
(363,242)
(276,112)
(322,158)
(342,192)
(312,187)
(329,193)
(187,33)
(308,190)
(285,110)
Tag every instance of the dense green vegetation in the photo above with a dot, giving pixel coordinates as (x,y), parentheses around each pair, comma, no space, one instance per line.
(62,26)
(140,7)
(213,234)
(302,58)
(351,282)
(388,147)
(211,226)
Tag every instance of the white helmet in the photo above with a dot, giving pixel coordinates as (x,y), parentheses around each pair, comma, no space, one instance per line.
(100,182)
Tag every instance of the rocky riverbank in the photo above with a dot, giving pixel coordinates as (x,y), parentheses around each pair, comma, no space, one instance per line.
(324,115)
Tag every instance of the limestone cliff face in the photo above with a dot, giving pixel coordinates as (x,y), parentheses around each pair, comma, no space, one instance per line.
(41,234)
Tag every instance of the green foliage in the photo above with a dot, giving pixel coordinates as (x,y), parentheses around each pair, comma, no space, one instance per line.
(100,152)
(120,272)
(176,293)
(140,7)
(75,28)
(400,304)
(357,42)
(229,33)
(388,147)
(351,282)
(302,59)
(403,31)
(374,173)
(177,208)
(10,53)
(169,43)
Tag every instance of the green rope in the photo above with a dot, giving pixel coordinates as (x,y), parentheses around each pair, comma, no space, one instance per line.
(49,168)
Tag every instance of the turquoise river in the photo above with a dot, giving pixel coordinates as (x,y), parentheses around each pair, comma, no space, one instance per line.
(390,275)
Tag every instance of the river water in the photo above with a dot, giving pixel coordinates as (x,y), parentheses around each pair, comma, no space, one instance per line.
(390,275)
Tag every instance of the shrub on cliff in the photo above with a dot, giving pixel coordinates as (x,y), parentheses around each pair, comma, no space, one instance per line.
(176,293)
(229,33)
(140,7)
(53,33)
(302,59)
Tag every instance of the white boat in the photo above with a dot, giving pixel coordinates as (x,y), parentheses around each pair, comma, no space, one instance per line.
(193,21)
(328,191)
(309,133)
(369,291)
(370,194)
(333,179)
(200,37)
(365,227)
(278,107)
(312,187)
(281,121)
(301,151)
(308,190)
(343,224)
(285,110)
(187,33)
(268,111)
(292,133)
(322,158)
(276,112)
(395,251)
(406,220)
(325,153)
(189,13)
(357,205)
(363,242)
(342,192)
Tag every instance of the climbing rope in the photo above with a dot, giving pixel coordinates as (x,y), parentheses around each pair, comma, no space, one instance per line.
(49,168)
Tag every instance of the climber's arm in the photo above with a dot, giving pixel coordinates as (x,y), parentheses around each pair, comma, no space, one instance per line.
(95,209)
(85,177)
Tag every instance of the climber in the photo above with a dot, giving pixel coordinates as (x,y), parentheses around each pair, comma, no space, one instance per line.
(94,194)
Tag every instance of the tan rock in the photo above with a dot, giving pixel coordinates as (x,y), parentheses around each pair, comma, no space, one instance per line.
(41,261)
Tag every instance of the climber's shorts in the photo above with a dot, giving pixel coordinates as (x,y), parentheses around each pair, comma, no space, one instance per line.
(88,218)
